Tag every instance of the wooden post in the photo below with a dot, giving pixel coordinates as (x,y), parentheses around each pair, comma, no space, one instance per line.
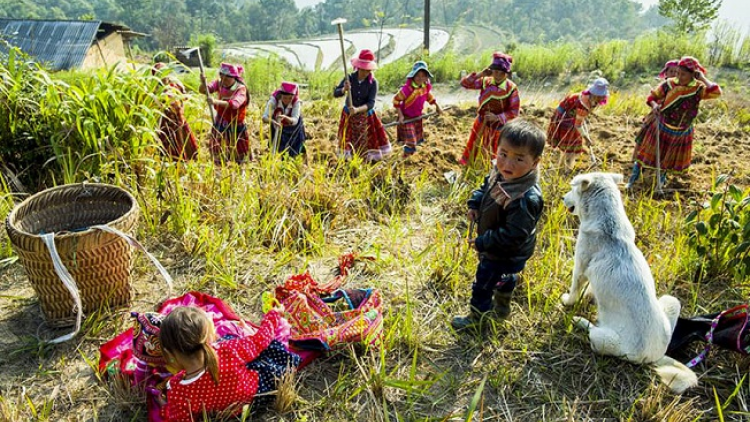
(426,27)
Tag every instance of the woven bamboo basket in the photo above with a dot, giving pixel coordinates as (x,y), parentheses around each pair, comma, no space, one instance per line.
(99,262)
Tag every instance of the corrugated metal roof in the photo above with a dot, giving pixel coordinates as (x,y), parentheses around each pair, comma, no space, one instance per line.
(60,45)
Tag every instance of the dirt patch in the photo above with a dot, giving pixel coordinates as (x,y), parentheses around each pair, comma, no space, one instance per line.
(718,147)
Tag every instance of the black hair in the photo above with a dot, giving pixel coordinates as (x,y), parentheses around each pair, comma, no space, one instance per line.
(522,133)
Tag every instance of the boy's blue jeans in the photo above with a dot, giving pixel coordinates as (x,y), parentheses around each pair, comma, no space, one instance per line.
(491,276)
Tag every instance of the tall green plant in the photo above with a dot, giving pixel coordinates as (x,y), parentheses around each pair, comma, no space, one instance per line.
(720,230)
(23,84)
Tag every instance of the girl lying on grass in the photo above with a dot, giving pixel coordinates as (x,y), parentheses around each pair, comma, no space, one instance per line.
(218,377)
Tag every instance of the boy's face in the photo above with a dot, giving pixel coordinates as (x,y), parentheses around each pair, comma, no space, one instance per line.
(420,78)
(514,162)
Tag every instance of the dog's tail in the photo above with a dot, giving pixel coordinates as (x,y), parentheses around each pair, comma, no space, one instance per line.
(675,375)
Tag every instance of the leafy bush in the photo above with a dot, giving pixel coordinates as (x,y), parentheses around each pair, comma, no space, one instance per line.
(719,231)
(89,126)
(207,44)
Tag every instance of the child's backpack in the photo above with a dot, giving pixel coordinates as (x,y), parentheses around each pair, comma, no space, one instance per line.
(729,329)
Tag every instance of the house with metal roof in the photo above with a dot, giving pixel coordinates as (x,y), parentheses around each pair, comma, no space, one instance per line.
(68,44)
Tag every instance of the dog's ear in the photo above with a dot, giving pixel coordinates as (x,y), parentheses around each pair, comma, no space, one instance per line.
(616,177)
(585,183)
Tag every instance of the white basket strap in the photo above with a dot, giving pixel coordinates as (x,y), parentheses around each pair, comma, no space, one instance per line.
(134,243)
(68,281)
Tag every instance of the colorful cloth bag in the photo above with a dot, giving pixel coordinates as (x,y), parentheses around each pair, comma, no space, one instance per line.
(325,317)
(317,326)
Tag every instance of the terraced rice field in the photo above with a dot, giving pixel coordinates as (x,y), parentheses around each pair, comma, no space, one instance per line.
(322,53)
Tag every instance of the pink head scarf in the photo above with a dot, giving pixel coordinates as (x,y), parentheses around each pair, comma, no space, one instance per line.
(667,65)
(501,61)
(234,71)
(287,88)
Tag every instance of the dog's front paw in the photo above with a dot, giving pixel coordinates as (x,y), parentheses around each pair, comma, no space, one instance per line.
(582,323)
(568,300)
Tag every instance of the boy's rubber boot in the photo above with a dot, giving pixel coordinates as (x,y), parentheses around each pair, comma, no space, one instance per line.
(471,321)
(501,300)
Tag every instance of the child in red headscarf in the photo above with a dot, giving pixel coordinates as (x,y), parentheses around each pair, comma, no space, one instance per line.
(499,103)
(668,71)
(178,140)
(229,137)
(283,113)
(668,140)
(409,102)
(360,129)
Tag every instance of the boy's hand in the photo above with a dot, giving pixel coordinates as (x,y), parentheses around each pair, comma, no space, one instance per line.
(491,117)
(472,214)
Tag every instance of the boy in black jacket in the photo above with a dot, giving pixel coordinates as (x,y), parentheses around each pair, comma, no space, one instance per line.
(506,210)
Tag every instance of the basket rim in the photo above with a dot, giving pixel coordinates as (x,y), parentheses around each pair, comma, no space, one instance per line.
(10,219)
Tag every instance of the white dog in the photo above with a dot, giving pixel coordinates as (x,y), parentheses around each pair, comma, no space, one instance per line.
(632,323)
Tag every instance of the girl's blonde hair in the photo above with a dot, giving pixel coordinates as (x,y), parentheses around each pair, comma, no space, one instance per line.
(188,330)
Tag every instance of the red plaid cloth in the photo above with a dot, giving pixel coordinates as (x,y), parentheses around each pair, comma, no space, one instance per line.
(482,143)
(363,134)
(410,134)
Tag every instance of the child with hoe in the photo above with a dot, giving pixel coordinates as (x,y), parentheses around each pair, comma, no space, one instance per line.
(506,210)
(283,113)
(229,137)
(566,131)
(499,103)
(409,102)
(667,140)
(360,129)
(213,377)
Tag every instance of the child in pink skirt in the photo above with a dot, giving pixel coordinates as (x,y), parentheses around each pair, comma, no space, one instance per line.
(409,102)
